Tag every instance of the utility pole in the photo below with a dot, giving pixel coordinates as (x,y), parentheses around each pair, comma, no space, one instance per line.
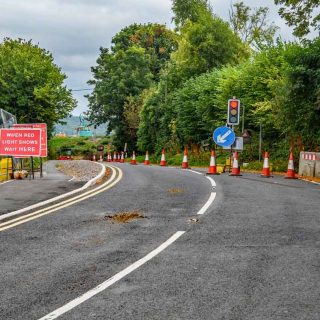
(244,107)
(260,142)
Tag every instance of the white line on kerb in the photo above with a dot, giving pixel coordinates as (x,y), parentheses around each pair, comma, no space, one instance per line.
(104,285)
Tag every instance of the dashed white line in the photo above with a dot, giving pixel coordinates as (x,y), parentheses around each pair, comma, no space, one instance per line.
(104,285)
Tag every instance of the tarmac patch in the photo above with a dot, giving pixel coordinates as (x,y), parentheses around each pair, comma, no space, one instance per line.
(124,217)
(175,190)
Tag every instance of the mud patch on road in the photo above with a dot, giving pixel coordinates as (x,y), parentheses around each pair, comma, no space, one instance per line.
(124,217)
(175,190)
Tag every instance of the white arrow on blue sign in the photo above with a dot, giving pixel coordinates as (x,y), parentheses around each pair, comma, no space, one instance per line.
(224,136)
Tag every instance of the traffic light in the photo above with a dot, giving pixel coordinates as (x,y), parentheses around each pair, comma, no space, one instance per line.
(233,111)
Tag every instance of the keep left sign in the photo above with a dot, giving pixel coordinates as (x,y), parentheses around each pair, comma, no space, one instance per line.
(20,142)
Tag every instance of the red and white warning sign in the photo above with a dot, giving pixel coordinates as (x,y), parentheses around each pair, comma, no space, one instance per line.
(20,142)
(43,127)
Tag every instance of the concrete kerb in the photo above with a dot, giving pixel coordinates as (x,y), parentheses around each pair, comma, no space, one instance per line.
(62,196)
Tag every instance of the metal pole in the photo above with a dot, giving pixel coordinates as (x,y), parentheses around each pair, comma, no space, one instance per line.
(244,107)
(40,167)
(260,142)
(32,169)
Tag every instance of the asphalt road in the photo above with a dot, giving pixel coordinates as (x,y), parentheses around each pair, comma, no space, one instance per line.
(254,254)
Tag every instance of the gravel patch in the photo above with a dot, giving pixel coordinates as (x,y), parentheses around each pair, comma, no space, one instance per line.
(81,170)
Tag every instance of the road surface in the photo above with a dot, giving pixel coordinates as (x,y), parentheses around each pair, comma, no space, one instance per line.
(252,254)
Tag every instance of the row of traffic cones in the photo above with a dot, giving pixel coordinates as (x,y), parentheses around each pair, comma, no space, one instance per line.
(212,167)
(266,169)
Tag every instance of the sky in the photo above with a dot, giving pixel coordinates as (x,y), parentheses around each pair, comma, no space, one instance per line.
(74,30)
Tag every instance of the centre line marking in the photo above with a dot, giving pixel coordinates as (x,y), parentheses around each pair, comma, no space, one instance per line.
(104,285)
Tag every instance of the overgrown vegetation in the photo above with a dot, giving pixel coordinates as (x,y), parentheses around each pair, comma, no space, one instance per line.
(174,89)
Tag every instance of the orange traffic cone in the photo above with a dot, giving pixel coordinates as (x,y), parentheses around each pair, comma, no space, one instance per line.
(235,168)
(146,160)
(290,173)
(212,166)
(163,162)
(94,157)
(266,170)
(114,157)
(108,157)
(185,164)
(133,160)
(100,158)
(119,157)
(122,157)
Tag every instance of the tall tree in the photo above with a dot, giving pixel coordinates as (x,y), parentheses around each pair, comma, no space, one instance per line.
(252,27)
(31,85)
(188,10)
(132,65)
(204,45)
(301,14)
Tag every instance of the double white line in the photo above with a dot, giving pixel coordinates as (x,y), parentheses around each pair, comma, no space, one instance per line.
(114,179)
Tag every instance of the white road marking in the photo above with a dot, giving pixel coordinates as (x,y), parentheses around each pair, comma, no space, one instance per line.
(212,195)
(195,171)
(6,182)
(208,203)
(43,203)
(104,285)
(213,183)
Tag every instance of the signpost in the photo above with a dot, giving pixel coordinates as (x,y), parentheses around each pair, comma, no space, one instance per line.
(43,128)
(237,145)
(224,136)
(20,142)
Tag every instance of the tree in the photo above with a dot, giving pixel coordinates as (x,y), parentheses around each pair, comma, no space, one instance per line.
(205,45)
(190,10)
(116,78)
(299,97)
(31,85)
(300,14)
(132,65)
(252,28)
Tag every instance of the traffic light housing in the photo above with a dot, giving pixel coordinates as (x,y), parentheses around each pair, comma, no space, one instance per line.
(233,112)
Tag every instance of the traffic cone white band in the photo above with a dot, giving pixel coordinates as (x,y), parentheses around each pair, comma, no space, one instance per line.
(212,161)
(290,165)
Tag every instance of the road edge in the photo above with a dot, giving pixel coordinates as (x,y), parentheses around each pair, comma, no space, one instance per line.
(62,196)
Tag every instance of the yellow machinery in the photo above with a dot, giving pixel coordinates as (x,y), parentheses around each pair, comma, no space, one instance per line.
(5,169)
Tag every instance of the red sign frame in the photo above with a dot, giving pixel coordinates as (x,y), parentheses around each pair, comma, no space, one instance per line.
(20,142)
(43,127)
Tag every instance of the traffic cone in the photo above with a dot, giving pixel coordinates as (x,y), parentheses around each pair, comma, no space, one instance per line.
(235,168)
(212,166)
(133,160)
(122,157)
(94,157)
(146,160)
(266,170)
(119,157)
(290,173)
(108,157)
(100,158)
(114,157)
(163,162)
(185,164)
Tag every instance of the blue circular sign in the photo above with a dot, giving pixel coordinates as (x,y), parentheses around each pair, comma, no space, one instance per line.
(224,136)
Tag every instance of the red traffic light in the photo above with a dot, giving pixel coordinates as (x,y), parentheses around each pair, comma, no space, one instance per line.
(234,103)
(233,112)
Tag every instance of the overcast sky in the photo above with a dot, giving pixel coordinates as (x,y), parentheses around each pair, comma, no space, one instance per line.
(73,30)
